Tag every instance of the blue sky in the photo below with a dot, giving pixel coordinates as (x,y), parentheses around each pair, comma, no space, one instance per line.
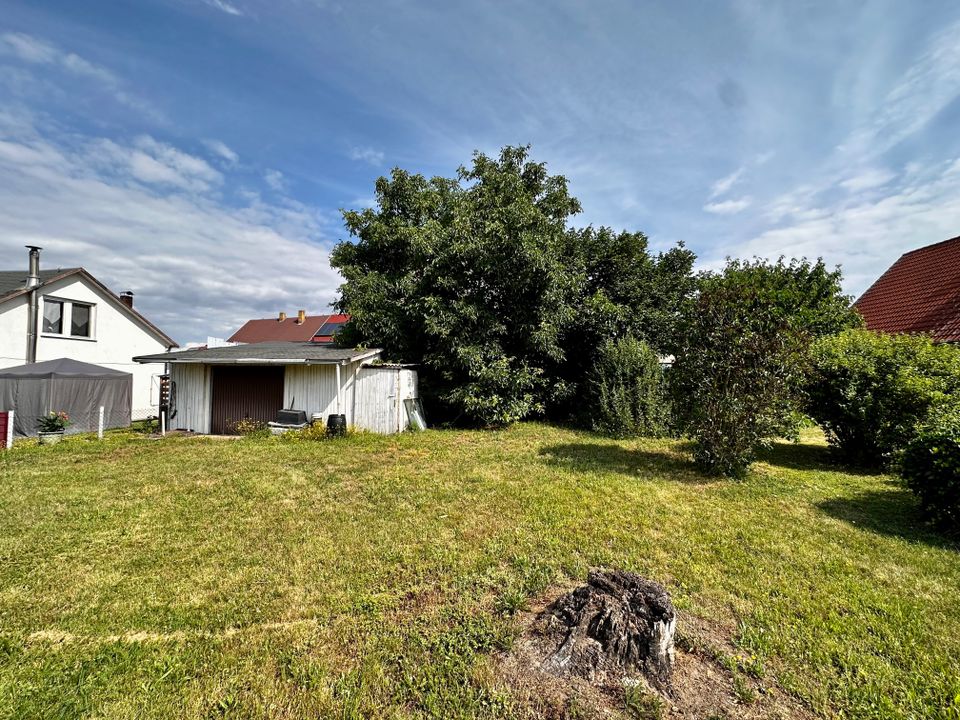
(198,151)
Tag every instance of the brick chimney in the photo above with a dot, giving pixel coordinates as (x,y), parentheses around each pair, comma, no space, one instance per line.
(126,297)
(282,316)
(301,317)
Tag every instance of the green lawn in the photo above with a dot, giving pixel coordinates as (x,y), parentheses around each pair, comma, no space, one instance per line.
(370,576)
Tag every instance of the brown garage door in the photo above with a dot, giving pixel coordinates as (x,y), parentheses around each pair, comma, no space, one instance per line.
(245,392)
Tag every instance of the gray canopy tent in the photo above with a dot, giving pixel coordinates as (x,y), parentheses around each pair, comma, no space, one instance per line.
(78,388)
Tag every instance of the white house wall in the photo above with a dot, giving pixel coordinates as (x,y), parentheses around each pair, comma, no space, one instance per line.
(117,338)
(193,401)
(13,332)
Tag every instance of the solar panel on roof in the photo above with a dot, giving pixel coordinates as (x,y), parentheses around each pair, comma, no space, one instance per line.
(330,328)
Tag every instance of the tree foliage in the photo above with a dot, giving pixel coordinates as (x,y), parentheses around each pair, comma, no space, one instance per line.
(468,278)
(870,391)
(624,292)
(481,281)
(931,468)
(626,391)
(742,355)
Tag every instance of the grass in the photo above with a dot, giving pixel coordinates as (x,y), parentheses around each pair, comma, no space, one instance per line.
(376,576)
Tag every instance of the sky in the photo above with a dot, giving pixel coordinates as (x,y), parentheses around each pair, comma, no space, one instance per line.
(198,152)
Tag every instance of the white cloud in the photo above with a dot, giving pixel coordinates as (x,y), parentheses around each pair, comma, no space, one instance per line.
(224,6)
(34,51)
(198,265)
(150,161)
(928,86)
(729,207)
(223,151)
(866,232)
(276,180)
(867,179)
(28,48)
(721,186)
(367,155)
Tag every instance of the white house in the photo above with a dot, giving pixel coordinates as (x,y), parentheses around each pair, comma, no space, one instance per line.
(213,388)
(67,313)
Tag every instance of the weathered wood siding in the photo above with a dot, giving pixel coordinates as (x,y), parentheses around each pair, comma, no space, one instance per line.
(193,397)
(313,388)
(380,392)
(371,397)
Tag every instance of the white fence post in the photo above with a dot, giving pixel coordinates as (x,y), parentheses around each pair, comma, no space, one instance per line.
(100,425)
(8,440)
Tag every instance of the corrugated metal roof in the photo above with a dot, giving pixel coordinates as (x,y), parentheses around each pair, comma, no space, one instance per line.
(267,353)
(920,293)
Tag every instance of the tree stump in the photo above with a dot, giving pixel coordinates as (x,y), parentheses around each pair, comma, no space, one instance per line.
(618,623)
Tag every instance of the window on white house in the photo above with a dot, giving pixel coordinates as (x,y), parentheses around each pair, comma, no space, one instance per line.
(53,316)
(80,320)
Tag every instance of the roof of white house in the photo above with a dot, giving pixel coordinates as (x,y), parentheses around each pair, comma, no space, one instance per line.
(13,284)
(267,353)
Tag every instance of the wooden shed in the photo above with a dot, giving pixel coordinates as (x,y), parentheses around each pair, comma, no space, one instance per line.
(212,389)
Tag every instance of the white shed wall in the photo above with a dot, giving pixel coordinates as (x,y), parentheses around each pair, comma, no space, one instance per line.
(313,389)
(380,393)
(371,397)
(193,397)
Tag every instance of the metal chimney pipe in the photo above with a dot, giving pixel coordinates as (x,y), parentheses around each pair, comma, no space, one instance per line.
(33,278)
(33,304)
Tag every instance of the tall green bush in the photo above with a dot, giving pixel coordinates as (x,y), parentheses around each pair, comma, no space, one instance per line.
(870,391)
(742,352)
(626,391)
(931,468)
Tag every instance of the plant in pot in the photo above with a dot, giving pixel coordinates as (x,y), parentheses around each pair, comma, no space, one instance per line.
(52,426)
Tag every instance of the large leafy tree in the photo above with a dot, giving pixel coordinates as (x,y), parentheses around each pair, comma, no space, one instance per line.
(625,292)
(469,278)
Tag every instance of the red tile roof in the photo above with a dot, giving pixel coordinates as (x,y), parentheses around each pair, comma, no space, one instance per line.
(274,330)
(920,293)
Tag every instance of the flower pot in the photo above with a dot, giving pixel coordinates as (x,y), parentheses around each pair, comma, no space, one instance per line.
(50,438)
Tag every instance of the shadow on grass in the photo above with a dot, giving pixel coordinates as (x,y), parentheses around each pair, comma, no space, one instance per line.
(892,512)
(590,457)
(805,456)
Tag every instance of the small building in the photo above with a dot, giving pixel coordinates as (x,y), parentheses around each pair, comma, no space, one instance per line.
(298,328)
(920,293)
(211,389)
(68,313)
(76,388)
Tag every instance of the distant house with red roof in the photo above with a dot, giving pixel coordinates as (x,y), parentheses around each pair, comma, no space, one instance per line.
(300,328)
(920,293)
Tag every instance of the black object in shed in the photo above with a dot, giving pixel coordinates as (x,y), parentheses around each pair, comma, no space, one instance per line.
(78,388)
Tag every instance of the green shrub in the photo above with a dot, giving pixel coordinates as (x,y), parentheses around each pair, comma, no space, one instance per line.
(931,468)
(739,364)
(870,392)
(625,390)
